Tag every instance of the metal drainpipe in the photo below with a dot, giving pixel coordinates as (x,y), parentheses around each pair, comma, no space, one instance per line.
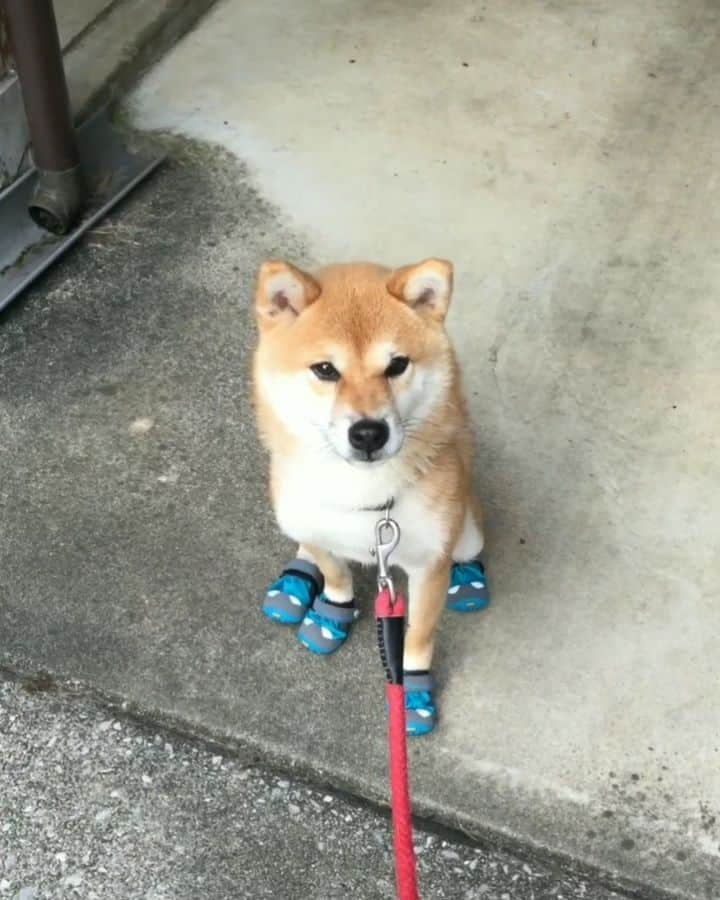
(58,198)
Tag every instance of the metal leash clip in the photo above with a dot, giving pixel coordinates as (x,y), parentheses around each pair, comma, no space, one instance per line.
(387,537)
(390,605)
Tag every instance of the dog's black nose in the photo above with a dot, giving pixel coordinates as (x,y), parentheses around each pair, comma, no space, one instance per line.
(368,435)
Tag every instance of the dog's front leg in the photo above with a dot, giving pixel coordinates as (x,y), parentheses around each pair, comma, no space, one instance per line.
(428,590)
(327,625)
(336,572)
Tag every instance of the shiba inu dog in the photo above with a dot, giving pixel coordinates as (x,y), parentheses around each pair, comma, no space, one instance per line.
(359,404)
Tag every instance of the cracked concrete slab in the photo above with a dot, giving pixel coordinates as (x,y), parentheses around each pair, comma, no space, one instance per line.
(563,155)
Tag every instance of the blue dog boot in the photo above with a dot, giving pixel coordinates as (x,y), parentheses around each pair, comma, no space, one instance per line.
(420,710)
(290,597)
(326,626)
(468,591)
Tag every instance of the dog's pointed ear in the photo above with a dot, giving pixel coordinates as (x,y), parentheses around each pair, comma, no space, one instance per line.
(283,292)
(425,286)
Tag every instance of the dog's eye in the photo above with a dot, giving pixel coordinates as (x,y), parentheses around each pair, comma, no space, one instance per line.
(325,371)
(397,366)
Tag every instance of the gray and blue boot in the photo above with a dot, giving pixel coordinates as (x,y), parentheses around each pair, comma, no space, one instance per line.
(326,626)
(291,596)
(468,591)
(420,709)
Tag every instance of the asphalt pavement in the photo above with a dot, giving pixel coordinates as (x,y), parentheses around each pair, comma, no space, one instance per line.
(97,806)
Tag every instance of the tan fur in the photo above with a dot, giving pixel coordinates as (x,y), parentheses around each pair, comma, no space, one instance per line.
(346,312)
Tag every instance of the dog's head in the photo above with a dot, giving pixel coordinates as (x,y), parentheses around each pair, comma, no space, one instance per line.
(354,359)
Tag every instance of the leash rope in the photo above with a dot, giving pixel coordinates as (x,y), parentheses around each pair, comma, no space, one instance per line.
(390,612)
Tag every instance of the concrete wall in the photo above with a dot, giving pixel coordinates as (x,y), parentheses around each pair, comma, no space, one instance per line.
(4,49)
(13,129)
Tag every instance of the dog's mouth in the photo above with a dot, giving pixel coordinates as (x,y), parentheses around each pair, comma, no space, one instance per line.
(367,458)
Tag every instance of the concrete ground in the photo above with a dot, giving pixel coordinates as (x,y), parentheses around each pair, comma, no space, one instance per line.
(563,155)
(74,16)
(97,806)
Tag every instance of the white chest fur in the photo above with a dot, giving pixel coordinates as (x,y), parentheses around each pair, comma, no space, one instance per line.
(326,503)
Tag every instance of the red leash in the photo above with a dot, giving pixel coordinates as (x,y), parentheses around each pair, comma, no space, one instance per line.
(390,614)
